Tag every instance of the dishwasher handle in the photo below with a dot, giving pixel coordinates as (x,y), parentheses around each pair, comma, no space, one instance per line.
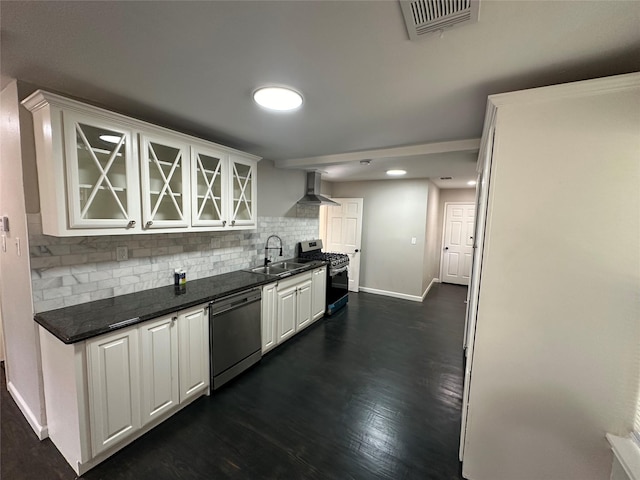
(232,302)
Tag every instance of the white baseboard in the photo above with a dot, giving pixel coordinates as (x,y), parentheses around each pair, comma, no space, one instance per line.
(404,296)
(433,280)
(41,431)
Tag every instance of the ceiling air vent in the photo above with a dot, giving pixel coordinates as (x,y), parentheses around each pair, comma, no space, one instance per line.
(428,16)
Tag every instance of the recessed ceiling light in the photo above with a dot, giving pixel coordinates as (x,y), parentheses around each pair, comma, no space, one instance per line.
(396,173)
(471,182)
(110,138)
(365,162)
(277,98)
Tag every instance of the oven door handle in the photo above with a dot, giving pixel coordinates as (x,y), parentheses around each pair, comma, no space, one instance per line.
(335,271)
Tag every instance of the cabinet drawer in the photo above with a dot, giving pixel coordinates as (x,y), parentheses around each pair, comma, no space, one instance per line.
(294,280)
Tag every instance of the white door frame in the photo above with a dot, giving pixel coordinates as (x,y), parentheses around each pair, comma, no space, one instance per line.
(353,255)
(444,229)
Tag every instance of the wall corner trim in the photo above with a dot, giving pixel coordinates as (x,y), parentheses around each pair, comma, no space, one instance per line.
(404,296)
(627,452)
(41,431)
(433,280)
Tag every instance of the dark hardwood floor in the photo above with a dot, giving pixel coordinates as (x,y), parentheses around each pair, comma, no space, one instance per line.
(373,392)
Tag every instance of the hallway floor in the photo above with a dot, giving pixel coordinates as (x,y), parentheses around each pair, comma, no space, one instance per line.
(373,392)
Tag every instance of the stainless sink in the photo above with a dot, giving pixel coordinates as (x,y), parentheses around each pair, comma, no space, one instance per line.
(287,265)
(279,269)
(270,270)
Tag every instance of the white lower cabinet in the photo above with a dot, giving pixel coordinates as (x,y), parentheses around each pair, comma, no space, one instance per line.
(159,360)
(303,304)
(292,304)
(293,308)
(269,310)
(287,312)
(319,292)
(193,333)
(114,388)
(103,393)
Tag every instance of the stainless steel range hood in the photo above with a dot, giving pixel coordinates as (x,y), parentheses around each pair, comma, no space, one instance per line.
(313,196)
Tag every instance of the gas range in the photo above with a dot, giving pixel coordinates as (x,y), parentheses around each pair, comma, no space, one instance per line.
(312,251)
(337,273)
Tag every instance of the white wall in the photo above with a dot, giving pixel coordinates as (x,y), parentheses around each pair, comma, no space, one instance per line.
(556,364)
(431,267)
(394,212)
(21,340)
(279,191)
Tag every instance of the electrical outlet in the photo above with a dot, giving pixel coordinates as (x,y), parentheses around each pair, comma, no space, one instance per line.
(122,253)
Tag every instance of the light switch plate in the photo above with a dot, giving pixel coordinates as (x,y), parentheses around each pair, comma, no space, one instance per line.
(413,240)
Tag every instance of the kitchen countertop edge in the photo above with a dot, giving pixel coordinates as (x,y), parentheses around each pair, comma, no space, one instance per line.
(125,311)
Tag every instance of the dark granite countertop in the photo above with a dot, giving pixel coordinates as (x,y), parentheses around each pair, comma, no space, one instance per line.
(80,322)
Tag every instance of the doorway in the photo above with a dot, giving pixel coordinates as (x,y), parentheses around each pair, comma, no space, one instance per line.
(343,234)
(457,243)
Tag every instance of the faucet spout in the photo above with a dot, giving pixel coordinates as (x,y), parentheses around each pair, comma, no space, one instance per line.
(267,248)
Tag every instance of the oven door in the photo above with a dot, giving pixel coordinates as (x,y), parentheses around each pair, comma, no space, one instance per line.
(337,288)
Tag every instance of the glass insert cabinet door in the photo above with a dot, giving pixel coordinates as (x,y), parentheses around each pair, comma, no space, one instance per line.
(101,173)
(209,181)
(165,175)
(242,191)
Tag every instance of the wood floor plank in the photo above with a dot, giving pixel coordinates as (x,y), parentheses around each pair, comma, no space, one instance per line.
(373,392)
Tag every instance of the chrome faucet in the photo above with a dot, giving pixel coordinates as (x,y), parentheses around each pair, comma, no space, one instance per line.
(267,248)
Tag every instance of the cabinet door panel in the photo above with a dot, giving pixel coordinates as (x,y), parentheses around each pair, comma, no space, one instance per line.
(193,335)
(286,313)
(269,317)
(242,191)
(165,180)
(114,399)
(159,343)
(319,294)
(303,305)
(101,170)
(209,187)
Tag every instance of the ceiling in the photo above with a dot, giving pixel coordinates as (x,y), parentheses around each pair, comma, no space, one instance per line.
(368,90)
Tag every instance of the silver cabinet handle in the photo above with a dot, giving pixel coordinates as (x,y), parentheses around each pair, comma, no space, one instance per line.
(149,223)
(224,223)
(131,224)
(233,222)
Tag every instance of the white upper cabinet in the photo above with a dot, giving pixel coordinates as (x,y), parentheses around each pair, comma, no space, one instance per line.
(164,167)
(243,192)
(210,186)
(101,173)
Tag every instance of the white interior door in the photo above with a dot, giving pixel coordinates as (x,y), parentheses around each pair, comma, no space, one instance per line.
(344,234)
(457,245)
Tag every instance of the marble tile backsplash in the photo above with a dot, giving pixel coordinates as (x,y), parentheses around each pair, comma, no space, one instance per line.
(72,270)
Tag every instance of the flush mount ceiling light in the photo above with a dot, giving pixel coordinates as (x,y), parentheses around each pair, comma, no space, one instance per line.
(396,173)
(280,99)
(110,138)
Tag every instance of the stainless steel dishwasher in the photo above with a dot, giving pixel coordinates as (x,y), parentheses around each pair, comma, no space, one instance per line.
(236,340)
